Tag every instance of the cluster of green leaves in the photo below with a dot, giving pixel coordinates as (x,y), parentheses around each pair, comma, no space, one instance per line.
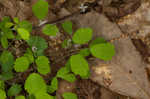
(35,85)
(23,28)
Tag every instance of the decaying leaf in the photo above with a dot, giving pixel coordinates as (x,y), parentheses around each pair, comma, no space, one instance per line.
(125,73)
(137,21)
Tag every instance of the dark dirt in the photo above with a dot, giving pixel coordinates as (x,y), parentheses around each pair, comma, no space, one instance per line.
(85,89)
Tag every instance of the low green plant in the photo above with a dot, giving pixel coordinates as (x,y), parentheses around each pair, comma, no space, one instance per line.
(69,95)
(38,45)
(40,9)
(67,26)
(6,62)
(35,83)
(34,57)
(82,36)
(53,86)
(65,74)
(79,65)
(14,90)
(21,64)
(2,94)
(20,97)
(5,31)
(43,66)
(50,30)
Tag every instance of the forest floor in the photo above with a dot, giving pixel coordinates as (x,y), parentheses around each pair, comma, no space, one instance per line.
(126,23)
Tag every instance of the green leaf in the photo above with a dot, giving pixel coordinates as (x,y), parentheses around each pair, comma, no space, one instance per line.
(103,51)
(4,42)
(84,52)
(29,55)
(6,75)
(21,64)
(6,19)
(67,26)
(54,85)
(68,65)
(30,96)
(23,33)
(16,20)
(98,40)
(69,95)
(8,24)
(26,25)
(43,66)
(14,90)
(39,43)
(2,94)
(6,61)
(19,97)
(35,83)
(69,77)
(40,9)
(2,85)
(79,65)
(42,95)
(64,73)
(9,34)
(3,22)
(82,36)
(50,30)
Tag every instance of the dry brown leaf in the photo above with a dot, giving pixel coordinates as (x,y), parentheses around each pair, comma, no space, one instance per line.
(106,94)
(125,73)
(137,21)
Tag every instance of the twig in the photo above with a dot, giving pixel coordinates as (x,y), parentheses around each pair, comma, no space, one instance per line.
(58,20)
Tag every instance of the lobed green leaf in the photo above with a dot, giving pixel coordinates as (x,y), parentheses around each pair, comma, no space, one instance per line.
(43,66)
(26,25)
(39,43)
(79,65)
(82,36)
(21,64)
(6,61)
(14,90)
(2,94)
(98,40)
(54,85)
(104,51)
(42,95)
(20,97)
(64,73)
(50,30)
(40,9)
(84,52)
(35,83)
(67,26)
(23,33)
(69,95)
